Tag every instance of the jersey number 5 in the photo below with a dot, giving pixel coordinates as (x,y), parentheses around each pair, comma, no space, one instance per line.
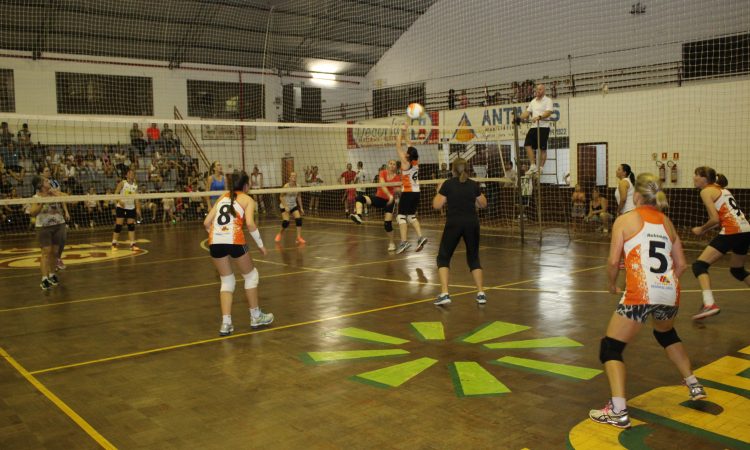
(653,252)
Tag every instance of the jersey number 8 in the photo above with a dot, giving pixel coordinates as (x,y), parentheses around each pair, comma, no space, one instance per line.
(224,215)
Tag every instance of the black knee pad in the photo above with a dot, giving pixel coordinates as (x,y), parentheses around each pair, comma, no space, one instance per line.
(610,349)
(360,199)
(284,224)
(298,221)
(118,227)
(388,225)
(739,272)
(131,227)
(666,338)
(700,267)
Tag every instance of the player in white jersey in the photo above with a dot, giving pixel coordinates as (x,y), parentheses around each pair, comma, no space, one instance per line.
(409,202)
(226,239)
(127,209)
(290,204)
(654,260)
(625,189)
(723,211)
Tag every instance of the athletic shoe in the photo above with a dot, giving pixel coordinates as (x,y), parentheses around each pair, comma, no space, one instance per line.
(262,320)
(45,285)
(356,218)
(53,280)
(134,247)
(481,299)
(301,241)
(607,416)
(114,247)
(226,329)
(420,243)
(443,299)
(402,247)
(707,311)
(277,238)
(60,264)
(696,391)
(391,247)
(532,170)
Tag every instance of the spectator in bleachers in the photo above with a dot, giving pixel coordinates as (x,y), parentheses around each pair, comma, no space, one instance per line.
(38,155)
(133,162)
(10,157)
(69,175)
(111,207)
(149,204)
(155,174)
(463,100)
(136,139)
(120,162)
(13,216)
(94,209)
(553,89)
(154,135)
(108,169)
(167,135)
(5,185)
(23,137)
(6,136)
(54,159)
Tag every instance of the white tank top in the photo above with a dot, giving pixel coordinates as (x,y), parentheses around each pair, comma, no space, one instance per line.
(128,189)
(629,203)
(410,178)
(225,228)
(649,269)
(291,201)
(731,218)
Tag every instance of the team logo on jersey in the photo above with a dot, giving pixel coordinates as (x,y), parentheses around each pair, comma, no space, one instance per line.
(470,378)
(664,280)
(28,258)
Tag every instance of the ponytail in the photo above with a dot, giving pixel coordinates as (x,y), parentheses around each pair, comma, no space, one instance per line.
(651,190)
(459,169)
(628,172)
(237,182)
(721,180)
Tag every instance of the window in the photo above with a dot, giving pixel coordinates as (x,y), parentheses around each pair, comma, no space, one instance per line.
(84,93)
(721,56)
(7,93)
(225,100)
(394,100)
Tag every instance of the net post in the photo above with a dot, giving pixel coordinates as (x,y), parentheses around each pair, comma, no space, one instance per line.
(519,198)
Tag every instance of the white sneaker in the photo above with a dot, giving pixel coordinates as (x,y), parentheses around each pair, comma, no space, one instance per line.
(391,247)
(532,170)
(263,319)
(226,329)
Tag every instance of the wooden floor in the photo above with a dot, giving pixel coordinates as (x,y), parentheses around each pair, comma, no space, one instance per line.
(126,353)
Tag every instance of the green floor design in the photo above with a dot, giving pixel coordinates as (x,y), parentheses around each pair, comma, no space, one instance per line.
(370,336)
(472,380)
(551,342)
(581,373)
(345,355)
(394,376)
(492,330)
(429,331)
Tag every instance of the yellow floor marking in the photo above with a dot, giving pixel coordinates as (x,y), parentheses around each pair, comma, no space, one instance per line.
(101,440)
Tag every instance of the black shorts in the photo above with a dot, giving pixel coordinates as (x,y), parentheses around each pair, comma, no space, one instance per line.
(531,140)
(409,203)
(737,243)
(122,213)
(281,208)
(382,203)
(640,313)
(222,250)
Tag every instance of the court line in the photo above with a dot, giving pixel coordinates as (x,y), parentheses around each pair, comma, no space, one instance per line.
(80,421)
(278,328)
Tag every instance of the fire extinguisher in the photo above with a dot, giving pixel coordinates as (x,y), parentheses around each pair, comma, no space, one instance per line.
(662,171)
(672,171)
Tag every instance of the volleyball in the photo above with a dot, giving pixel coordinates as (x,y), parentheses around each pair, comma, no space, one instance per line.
(415,111)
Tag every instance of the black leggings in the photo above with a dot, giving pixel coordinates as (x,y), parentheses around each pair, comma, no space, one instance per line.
(452,235)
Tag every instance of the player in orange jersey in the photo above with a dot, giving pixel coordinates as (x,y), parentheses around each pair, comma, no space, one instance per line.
(409,202)
(383,199)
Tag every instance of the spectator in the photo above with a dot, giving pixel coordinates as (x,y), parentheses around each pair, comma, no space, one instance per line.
(38,153)
(6,136)
(10,157)
(312,179)
(444,173)
(5,185)
(155,174)
(464,100)
(598,211)
(136,139)
(93,209)
(24,139)
(578,198)
(169,137)
(347,177)
(510,174)
(553,89)
(69,175)
(153,133)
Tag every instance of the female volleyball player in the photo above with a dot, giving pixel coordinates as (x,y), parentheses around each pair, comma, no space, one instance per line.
(383,200)
(215,181)
(723,211)
(654,262)
(625,189)
(291,205)
(127,209)
(50,229)
(225,239)
(409,202)
(463,198)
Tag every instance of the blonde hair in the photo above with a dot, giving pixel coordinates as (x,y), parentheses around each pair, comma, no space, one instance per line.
(460,169)
(649,186)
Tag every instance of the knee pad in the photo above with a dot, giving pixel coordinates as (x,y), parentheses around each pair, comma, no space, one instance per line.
(131,227)
(284,224)
(410,218)
(360,199)
(700,267)
(666,338)
(388,225)
(739,272)
(227,283)
(251,279)
(298,221)
(610,349)
(401,218)
(118,227)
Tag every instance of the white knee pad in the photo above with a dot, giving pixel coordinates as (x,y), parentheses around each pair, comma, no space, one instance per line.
(251,279)
(410,218)
(401,218)
(227,283)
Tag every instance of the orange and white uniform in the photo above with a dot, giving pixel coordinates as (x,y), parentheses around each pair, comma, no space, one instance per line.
(731,218)
(649,269)
(410,178)
(226,228)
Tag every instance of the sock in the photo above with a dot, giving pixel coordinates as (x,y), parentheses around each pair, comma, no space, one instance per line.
(114,242)
(226,319)
(254,313)
(480,293)
(708,298)
(691,380)
(444,293)
(44,278)
(50,275)
(618,404)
